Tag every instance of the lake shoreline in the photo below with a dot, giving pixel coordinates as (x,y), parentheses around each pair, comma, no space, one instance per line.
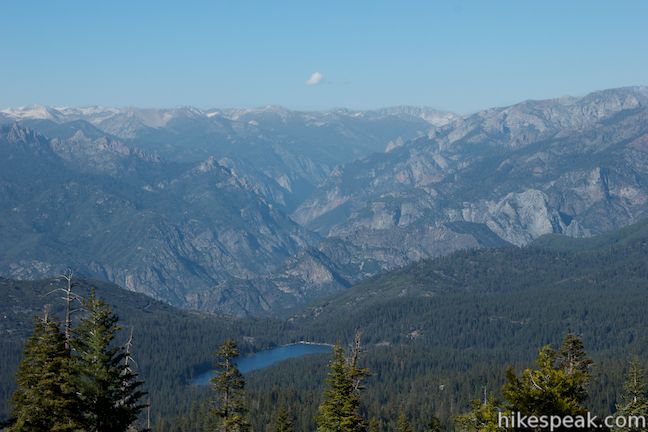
(268,357)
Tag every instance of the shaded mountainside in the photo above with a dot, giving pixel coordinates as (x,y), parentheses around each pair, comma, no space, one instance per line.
(169,230)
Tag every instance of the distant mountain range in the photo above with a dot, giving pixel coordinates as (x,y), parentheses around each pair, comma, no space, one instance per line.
(573,166)
(285,152)
(257,211)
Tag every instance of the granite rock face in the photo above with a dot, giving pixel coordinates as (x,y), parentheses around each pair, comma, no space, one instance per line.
(161,228)
(186,205)
(575,166)
(259,211)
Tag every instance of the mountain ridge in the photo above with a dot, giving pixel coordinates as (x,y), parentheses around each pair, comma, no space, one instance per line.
(266,212)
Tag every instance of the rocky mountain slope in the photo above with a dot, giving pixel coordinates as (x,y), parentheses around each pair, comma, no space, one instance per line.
(259,211)
(576,166)
(284,153)
(185,205)
(165,229)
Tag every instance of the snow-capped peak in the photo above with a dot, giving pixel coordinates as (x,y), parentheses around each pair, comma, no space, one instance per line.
(31,112)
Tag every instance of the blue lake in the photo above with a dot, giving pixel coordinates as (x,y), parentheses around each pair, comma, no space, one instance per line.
(265,358)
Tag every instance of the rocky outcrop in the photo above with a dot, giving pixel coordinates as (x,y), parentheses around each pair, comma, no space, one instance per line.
(191,227)
(575,166)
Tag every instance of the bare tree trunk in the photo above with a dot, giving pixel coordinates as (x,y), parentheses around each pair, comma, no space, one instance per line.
(357,374)
(68,307)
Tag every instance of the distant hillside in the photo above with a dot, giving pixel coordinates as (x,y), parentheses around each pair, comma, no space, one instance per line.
(521,296)
(625,236)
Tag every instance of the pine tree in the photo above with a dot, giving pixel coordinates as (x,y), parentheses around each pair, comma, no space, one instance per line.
(109,389)
(483,417)
(548,389)
(633,400)
(284,421)
(557,386)
(230,410)
(435,425)
(572,357)
(374,425)
(403,424)
(340,410)
(45,399)
(573,361)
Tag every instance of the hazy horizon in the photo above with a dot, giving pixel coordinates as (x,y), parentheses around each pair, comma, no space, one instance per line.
(297,109)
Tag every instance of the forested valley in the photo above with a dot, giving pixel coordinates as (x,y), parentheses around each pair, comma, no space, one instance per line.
(434,337)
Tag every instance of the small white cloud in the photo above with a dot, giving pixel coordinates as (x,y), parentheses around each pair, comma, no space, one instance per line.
(315,78)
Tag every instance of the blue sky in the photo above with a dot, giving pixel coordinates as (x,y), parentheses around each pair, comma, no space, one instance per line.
(455,55)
